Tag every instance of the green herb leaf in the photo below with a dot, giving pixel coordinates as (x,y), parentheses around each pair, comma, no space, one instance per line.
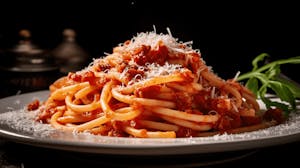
(293,87)
(269,103)
(260,79)
(283,92)
(259,58)
(273,71)
(252,84)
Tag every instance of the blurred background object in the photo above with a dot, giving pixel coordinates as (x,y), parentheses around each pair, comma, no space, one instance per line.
(26,67)
(69,56)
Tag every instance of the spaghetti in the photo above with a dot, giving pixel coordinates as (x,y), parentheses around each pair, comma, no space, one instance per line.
(150,87)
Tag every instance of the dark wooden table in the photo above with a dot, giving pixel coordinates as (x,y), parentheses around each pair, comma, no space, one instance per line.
(15,155)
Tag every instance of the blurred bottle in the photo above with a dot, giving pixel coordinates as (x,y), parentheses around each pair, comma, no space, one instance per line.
(27,67)
(70,57)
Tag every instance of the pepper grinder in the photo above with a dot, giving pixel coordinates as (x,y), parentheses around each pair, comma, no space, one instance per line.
(70,57)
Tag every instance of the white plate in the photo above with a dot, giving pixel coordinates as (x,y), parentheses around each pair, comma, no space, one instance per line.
(281,134)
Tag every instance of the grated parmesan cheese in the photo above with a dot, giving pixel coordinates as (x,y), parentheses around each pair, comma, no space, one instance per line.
(179,53)
(24,121)
(166,69)
(152,39)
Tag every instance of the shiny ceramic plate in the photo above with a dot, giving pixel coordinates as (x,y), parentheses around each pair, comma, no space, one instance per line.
(15,125)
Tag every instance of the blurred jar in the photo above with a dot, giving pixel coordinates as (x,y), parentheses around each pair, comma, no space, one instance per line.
(69,56)
(27,68)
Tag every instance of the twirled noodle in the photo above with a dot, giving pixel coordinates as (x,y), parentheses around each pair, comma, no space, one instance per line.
(82,108)
(143,101)
(149,87)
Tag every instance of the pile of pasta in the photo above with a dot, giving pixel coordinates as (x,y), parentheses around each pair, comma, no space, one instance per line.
(151,86)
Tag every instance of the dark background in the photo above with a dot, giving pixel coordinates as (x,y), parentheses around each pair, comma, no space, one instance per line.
(229,35)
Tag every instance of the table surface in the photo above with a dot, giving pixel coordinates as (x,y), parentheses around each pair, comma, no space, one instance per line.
(13,155)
